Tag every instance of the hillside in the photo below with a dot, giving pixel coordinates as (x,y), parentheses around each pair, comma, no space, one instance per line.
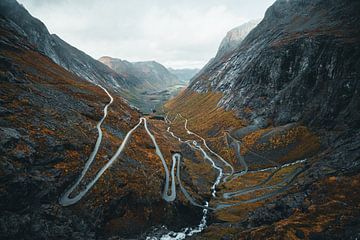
(263,143)
(58,50)
(151,83)
(48,130)
(293,85)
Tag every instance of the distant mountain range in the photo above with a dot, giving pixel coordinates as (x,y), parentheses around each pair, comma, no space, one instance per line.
(184,75)
(127,79)
(149,75)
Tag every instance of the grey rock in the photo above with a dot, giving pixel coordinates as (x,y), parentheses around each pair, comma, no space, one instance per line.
(289,70)
(7,135)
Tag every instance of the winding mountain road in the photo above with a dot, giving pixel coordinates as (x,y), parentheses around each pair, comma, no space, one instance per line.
(287,183)
(236,145)
(66,199)
(207,147)
(284,184)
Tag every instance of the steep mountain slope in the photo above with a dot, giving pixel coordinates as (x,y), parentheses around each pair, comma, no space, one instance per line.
(185,74)
(300,63)
(148,75)
(228,45)
(294,84)
(48,130)
(58,50)
(234,37)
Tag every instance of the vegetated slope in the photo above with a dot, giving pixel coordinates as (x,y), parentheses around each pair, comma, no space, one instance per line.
(184,74)
(58,50)
(294,80)
(149,75)
(48,129)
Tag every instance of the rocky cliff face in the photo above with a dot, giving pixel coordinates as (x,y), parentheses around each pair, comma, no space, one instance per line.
(234,37)
(301,63)
(149,75)
(58,50)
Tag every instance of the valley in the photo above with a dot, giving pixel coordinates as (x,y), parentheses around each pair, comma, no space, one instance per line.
(262,143)
(155,100)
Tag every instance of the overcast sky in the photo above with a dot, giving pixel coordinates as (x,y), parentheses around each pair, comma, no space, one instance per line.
(176,33)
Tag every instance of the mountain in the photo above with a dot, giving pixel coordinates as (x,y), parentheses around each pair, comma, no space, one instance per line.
(263,144)
(288,94)
(50,121)
(144,76)
(149,75)
(228,45)
(285,65)
(185,74)
(151,83)
(58,50)
(234,37)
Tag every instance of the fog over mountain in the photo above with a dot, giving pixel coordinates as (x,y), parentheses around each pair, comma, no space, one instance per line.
(178,34)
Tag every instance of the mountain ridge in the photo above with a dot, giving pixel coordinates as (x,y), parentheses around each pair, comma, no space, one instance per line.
(145,74)
(184,74)
(265,39)
(58,50)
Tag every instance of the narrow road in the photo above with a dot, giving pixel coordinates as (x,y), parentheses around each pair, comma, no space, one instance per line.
(205,144)
(66,199)
(287,184)
(236,145)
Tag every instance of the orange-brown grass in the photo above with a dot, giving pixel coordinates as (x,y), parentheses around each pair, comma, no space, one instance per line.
(308,143)
(238,213)
(205,118)
(203,113)
(249,140)
(332,198)
(304,143)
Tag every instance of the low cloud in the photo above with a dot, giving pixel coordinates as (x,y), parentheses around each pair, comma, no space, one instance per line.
(175,33)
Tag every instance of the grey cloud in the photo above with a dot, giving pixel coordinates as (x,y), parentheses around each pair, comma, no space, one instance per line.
(176,33)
